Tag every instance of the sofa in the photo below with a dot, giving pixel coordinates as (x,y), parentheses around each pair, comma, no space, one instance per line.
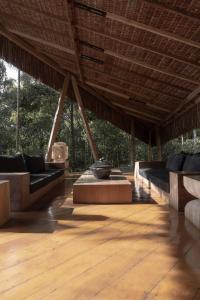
(30,178)
(166,178)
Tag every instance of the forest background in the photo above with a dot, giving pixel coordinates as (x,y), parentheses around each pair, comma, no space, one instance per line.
(37,106)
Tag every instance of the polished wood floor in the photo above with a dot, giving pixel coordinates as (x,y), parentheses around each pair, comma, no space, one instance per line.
(64,251)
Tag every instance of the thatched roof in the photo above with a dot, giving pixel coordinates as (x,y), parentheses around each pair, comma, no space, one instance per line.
(133,59)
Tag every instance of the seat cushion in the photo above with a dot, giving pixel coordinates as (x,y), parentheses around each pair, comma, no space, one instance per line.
(40,180)
(35,164)
(192,162)
(175,162)
(159,177)
(12,164)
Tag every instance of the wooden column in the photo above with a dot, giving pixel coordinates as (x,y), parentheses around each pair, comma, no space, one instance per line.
(149,148)
(84,118)
(158,143)
(132,145)
(57,118)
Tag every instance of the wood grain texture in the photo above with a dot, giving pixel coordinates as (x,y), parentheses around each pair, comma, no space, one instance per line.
(62,251)
(4,201)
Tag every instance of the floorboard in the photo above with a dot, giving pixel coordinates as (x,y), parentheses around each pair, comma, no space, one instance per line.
(58,250)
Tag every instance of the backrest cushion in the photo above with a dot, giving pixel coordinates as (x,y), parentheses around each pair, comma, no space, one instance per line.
(175,162)
(35,164)
(10,164)
(192,162)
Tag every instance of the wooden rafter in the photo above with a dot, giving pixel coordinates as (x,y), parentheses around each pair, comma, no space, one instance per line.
(187,100)
(37,11)
(130,94)
(84,119)
(149,28)
(31,50)
(42,41)
(180,12)
(137,85)
(12,18)
(119,104)
(138,116)
(69,11)
(57,118)
(134,93)
(107,90)
(139,112)
(195,64)
(151,67)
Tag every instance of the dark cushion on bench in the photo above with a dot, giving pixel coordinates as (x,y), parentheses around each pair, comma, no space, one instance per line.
(175,162)
(38,181)
(159,177)
(192,162)
(35,164)
(12,164)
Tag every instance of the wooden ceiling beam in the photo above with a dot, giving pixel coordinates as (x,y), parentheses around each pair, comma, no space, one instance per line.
(175,11)
(133,93)
(191,97)
(151,29)
(136,111)
(138,116)
(31,50)
(120,95)
(113,76)
(69,11)
(8,17)
(107,90)
(42,41)
(195,64)
(151,67)
(37,11)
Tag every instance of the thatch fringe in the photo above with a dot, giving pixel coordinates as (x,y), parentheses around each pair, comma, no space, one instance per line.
(186,122)
(29,64)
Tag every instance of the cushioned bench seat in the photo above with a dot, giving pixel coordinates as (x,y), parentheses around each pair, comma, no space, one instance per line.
(38,181)
(159,177)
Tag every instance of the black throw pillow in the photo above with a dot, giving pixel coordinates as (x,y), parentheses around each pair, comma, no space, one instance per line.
(12,164)
(192,163)
(35,164)
(175,162)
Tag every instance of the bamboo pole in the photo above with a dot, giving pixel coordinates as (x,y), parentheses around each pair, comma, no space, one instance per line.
(17,115)
(132,145)
(57,118)
(84,119)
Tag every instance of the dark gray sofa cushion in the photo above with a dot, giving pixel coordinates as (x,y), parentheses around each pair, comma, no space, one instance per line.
(175,162)
(192,162)
(10,164)
(40,180)
(159,177)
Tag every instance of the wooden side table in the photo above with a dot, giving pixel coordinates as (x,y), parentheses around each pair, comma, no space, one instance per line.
(4,201)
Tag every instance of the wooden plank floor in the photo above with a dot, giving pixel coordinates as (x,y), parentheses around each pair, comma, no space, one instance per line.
(64,251)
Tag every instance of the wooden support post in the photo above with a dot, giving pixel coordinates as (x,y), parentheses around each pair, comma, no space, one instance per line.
(57,118)
(158,143)
(84,118)
(132,145)
(149,148)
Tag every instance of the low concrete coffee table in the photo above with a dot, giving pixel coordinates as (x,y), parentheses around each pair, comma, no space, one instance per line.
(4,202)
(115,190)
